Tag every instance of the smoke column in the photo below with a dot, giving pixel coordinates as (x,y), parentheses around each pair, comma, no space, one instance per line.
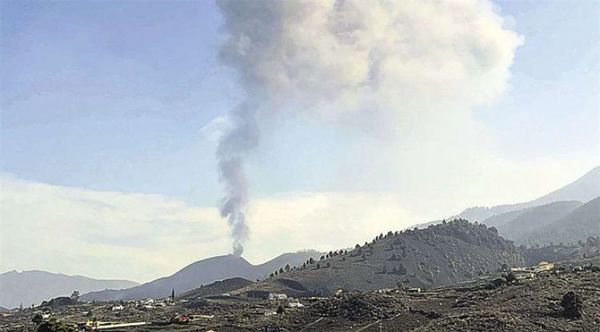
(380,66)
(230,153)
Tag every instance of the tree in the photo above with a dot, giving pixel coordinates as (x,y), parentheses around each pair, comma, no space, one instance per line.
(328,264)
(287,267)
(322,258)
(401,270)
(173,295)
(271,275)
(280,270)
(318,266)
(275,272)
(37,319)
(510,277)
(75,295)
(311,261)
(572,304)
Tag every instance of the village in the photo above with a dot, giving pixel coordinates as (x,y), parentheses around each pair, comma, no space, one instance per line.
(548,285)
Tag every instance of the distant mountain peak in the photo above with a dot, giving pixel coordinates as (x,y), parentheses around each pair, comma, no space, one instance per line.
(584,189)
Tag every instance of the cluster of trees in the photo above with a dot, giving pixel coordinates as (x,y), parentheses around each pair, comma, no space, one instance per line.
(358,251)
(334,253)
(282,270)
(399,270)
(311,261)
(591,241)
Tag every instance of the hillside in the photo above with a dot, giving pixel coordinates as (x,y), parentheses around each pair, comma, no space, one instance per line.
(439,255)
(200,273)
(583,189)
(216,288)
(560,252)
(578,225)
(532,219)
(32,287)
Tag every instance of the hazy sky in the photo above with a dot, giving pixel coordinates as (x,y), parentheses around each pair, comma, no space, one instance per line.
(111,112)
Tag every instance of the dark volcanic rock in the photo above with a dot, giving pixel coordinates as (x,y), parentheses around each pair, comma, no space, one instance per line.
(572,304)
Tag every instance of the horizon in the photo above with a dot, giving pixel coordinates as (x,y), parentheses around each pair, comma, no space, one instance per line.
(132,132)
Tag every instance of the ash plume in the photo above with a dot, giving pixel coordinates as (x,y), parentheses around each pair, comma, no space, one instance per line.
(379,66)
(230,153)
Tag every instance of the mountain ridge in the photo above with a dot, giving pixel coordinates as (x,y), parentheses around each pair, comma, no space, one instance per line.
(534,218)
(200,273)
(34,286)
(583,189)
(578,225)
